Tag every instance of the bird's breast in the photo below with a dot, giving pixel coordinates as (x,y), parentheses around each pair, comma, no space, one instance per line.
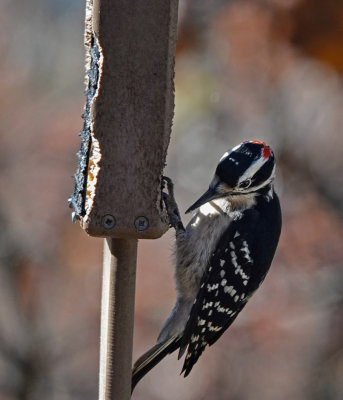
(195,248)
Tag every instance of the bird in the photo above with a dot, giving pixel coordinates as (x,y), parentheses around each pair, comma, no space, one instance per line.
(222,256)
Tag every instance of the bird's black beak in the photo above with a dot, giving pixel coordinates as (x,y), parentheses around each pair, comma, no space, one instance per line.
(211,194)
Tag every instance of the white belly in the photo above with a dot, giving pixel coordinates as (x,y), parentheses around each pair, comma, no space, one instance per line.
(194,249)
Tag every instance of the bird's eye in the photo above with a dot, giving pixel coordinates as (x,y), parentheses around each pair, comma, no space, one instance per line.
(245,184)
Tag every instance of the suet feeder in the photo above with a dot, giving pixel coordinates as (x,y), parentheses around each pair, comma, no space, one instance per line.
(127,118)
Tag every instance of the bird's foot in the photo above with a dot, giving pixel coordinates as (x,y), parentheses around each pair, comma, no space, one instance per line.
(171,205)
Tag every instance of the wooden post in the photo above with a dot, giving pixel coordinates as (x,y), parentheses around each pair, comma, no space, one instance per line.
(130,49)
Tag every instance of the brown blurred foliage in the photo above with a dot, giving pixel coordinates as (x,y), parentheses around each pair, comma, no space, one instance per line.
(318,30)
(245,69)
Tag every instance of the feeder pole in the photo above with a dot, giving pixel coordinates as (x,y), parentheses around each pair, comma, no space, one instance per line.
(117,311)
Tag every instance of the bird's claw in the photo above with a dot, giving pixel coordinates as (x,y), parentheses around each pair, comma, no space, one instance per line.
(171,205)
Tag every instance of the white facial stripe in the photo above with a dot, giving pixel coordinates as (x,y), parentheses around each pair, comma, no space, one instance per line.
(265,183)
(251,171)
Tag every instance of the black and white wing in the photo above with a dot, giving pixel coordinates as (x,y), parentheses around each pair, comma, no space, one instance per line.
(224,290)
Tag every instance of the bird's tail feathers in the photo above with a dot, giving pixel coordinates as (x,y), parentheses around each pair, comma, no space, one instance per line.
(152,357)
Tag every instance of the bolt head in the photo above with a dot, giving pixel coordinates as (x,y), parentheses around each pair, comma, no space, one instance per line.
(141,224)
(108,222)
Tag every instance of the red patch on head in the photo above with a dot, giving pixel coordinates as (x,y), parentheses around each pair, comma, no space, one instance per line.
(266,151)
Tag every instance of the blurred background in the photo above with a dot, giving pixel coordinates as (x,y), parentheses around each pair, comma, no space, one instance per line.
(245,69)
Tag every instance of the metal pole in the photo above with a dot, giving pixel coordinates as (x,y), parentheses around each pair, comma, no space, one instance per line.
(117,314)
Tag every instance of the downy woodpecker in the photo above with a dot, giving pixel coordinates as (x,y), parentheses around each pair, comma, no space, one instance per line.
(222,256)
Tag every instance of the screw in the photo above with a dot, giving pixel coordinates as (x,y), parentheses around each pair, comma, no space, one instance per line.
(141,224)
(108,222)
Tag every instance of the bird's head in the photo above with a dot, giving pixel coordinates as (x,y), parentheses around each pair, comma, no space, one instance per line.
(246,170)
